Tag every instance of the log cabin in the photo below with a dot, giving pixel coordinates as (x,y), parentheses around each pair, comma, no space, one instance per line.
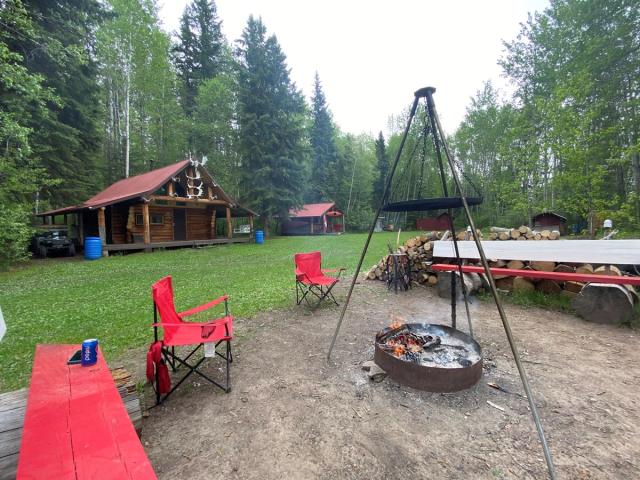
(174,206)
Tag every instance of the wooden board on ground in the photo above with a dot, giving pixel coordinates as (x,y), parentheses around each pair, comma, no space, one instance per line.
(621,252)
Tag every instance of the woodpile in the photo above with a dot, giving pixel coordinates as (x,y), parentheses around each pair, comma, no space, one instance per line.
(419,250)
(522,233)
(617,300)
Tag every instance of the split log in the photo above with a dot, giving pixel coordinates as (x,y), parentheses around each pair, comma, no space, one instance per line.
(493,236)
(445,236)
(497,263)
(505,284)
(562,268)
(499,230)
(521,284)
(549,286)
(462,235)
(604,303)
(542,266)
(545,234)
(515,233)
(515,265)
(504,236)
(444,285)
(523,229)
(585,268)
(521,237)
(575,287)
(569,294)
(554,235)
(608,270)
(432,280)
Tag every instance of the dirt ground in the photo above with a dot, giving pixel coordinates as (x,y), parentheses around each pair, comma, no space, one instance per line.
(293,415)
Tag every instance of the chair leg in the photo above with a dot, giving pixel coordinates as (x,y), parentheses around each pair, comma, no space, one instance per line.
(229,360)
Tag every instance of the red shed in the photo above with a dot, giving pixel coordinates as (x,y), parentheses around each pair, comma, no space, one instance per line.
(313,219)
(439,223)
(550,221)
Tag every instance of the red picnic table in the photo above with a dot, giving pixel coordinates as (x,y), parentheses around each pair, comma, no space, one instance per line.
(76,426)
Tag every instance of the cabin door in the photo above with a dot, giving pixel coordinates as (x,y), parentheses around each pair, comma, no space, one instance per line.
(179,224)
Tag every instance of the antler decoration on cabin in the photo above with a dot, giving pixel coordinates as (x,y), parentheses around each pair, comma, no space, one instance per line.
(196,189)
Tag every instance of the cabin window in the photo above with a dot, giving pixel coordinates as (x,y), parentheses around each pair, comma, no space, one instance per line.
(154,219)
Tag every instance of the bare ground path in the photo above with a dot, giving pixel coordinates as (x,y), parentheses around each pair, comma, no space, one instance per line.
(292,415)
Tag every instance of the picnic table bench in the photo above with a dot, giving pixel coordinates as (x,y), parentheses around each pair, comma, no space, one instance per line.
(602,298)
(76,426)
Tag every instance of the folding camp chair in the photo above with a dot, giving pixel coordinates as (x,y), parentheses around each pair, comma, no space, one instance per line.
(177,333)
(311,278)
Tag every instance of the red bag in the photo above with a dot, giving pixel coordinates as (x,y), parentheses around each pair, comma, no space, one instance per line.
(155,362)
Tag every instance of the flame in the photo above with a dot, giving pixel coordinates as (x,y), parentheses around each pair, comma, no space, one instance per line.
(396,321)
(399,350)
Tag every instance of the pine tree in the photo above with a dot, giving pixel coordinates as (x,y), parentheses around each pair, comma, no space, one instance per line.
(199,54)
(324,158)
(383,169)
(273,142)
(67,141)
(23,102)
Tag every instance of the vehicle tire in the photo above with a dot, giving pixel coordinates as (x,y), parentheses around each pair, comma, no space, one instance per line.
(43,252)
(72,250)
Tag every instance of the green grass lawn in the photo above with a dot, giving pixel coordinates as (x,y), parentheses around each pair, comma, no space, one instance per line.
(60,301)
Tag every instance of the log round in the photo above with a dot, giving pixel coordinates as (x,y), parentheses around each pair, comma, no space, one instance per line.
(604,303)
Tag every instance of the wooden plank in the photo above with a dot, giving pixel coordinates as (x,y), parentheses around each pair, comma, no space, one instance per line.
(46,450)
(573,277)
(145,221)
(102,229)
(229,229)
(104,439)
(68,401)
(621,252)
(188,200)
(178,243)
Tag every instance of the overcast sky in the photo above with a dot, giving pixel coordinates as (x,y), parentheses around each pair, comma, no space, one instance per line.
(372,55)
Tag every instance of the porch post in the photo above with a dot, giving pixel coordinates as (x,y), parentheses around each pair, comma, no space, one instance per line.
(81,228)
(213,223)
(229,228)
(102,230)
(311,224)
(147,230)
(250,226)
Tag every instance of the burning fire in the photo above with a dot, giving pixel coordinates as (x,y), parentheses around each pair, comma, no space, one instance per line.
(396,322)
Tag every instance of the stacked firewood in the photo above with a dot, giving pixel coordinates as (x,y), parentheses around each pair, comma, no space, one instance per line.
(419,251)
(521,233)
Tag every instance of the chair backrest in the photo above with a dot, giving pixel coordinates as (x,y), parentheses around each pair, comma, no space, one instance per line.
(308,263)
(163,299)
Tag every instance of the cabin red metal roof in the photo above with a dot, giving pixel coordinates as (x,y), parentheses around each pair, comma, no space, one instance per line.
(312,210)
(137,186)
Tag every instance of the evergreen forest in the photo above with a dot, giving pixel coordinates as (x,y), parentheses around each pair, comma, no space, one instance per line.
(93,91)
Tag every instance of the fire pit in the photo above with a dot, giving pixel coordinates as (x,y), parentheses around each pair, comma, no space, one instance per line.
(430,357)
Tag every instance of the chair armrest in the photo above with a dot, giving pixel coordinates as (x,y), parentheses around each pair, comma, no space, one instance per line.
(333,270)
(194,324)
(206,306)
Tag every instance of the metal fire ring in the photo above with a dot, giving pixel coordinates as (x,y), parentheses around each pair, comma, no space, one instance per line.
(424,377)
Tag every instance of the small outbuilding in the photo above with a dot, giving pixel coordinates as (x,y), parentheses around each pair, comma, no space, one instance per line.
(174,206)
(314,219)
(439,223)
(549,221)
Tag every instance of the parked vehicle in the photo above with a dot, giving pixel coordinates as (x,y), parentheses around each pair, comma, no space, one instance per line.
(48,242)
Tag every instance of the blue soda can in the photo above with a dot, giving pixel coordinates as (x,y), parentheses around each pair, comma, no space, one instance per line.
(89,352)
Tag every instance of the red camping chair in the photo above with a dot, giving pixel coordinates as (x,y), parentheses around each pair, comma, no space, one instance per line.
(177,333)
(311,278)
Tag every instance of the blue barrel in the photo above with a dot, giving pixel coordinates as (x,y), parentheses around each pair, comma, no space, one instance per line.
(259,237)
(92,248)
